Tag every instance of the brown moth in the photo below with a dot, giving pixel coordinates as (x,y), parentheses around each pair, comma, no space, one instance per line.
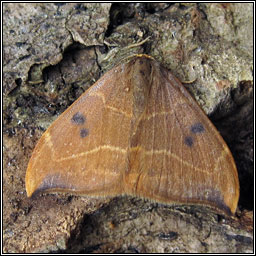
(136,131)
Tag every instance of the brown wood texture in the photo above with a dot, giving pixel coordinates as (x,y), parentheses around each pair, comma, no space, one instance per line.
(136,131)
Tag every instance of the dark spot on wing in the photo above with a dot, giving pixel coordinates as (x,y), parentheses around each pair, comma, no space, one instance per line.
(78,118)
(141,62)
(84,132)
(142,72)
(197,128)
(189,141)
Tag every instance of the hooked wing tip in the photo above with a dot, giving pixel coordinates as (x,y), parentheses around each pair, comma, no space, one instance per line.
(51,182)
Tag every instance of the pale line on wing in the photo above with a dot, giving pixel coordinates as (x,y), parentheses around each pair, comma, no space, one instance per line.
(125,151)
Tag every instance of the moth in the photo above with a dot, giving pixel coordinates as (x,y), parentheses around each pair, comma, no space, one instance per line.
(136,131)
